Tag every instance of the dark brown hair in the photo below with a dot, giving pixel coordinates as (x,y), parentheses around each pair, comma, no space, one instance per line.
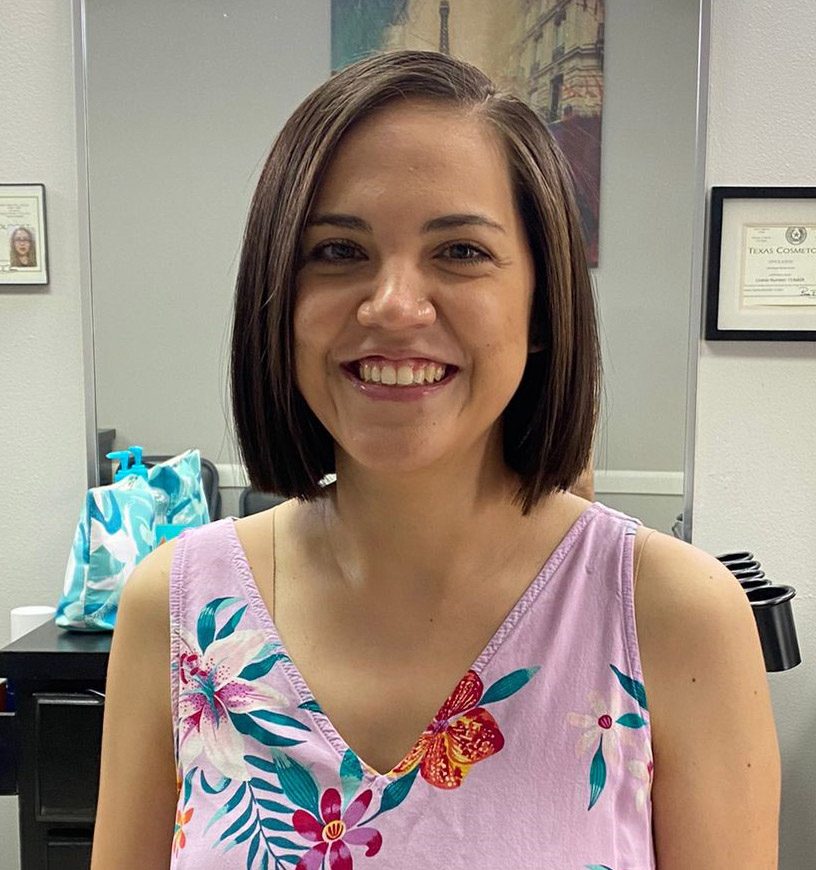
(549,423)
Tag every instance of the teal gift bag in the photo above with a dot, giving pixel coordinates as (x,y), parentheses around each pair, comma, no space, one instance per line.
(119,525)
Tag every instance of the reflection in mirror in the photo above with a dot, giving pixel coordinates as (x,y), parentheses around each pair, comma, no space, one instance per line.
(183,103)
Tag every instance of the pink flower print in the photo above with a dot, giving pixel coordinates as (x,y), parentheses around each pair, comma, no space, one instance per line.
(210,690)
(603,723)
(643,771)
(334,832)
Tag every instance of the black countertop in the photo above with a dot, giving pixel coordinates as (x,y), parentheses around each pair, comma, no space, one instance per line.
(50,652)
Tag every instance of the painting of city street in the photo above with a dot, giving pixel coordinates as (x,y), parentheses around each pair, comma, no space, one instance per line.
(548,52)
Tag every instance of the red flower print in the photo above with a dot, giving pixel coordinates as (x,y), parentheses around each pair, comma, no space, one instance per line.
(334,831)
(460,735)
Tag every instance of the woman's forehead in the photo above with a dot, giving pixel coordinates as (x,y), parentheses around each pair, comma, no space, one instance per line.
(425,148)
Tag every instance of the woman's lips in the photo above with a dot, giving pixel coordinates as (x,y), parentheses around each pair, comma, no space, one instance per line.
(396,380)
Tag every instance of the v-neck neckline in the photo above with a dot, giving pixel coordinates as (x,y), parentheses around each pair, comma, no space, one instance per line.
(306,698)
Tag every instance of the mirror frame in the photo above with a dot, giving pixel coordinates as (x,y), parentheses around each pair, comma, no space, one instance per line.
(697,264)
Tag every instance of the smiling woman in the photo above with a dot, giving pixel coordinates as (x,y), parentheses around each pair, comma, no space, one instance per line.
(444,658)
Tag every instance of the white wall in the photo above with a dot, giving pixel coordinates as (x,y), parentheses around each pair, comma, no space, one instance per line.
(755,462)
(42,413)
(754,478)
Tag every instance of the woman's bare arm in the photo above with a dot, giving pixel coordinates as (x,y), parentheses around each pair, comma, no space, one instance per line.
(716,788)
(137,791)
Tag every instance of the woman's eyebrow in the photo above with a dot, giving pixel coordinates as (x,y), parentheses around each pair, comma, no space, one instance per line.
(347,221)
(350,222)
(460,220)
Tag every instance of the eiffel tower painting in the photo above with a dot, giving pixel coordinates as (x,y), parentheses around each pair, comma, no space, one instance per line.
(548,52)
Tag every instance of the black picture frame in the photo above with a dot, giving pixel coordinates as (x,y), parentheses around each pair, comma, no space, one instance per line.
(716,294)
(22,208)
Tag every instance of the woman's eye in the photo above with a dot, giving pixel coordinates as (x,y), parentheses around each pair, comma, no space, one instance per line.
(335,252)
(464,252)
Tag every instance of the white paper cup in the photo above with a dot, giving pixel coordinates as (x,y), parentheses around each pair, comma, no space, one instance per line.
(26,619)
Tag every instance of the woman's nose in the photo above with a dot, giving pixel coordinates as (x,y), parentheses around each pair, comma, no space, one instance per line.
(398,300)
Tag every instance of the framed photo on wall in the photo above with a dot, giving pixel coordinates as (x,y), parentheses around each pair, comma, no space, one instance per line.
(23,246)
(761,264)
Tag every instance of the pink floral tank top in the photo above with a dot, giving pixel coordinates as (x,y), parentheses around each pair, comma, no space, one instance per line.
(539,758)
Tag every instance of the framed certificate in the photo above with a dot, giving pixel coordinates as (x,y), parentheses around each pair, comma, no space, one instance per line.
(23,248)
(761,264)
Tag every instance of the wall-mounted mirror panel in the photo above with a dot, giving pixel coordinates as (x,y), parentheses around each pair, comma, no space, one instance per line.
(183,101)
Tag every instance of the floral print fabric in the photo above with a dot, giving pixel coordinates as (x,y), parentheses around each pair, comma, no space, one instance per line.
(539,757)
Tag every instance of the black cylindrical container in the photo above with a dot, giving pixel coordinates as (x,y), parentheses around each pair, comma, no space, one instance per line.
(754,583)
(773,614)
(737,556)
(752,574)
(743,565)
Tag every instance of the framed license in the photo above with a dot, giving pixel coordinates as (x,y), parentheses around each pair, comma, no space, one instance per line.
(23,247)
(761,264)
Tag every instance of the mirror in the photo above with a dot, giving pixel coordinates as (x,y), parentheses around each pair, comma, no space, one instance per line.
(183,101)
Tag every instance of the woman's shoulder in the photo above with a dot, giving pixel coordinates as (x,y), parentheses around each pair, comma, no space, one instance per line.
(147,591)
(709,709)
(697,637)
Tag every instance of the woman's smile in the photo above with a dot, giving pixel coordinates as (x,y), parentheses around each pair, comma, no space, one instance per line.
(398,380)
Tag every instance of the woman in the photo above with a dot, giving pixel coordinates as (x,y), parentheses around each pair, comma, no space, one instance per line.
(23,253)
(440,659)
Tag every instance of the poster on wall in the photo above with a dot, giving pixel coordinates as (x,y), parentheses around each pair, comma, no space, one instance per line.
(547,52)
(22,235)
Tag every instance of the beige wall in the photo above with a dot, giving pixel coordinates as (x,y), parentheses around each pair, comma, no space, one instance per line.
(42,413)
(755,464)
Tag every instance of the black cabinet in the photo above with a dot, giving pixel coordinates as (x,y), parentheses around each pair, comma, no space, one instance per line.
(54,740)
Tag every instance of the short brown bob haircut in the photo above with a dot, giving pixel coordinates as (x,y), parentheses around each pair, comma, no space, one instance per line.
(549,423)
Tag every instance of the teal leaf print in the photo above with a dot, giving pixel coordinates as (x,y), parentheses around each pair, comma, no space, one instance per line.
(632,687)
(228,807)
(276,825)
(230,626)
(188,785)
(631,720)
(247,725)
(253,849)
(265,861)
(255,670)
(289,859)
(263,764)
(238,824)
(242,838)
(297,783)
(597,776)
(396,792)
(286,844)
(205,628)
(351,774)
(273,806)
(217,789)
(262,784)
(508,685)
(597,867)
(311,705)
(278,719)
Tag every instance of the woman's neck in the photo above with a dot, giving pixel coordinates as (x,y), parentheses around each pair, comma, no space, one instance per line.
(421,532)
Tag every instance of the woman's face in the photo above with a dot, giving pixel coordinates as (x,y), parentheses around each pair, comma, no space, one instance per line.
(22,242)
(416,266)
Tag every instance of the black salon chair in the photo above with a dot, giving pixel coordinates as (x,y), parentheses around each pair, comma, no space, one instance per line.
(252,501)
(209,480)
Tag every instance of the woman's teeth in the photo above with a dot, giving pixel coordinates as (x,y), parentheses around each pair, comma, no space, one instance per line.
(402,376)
